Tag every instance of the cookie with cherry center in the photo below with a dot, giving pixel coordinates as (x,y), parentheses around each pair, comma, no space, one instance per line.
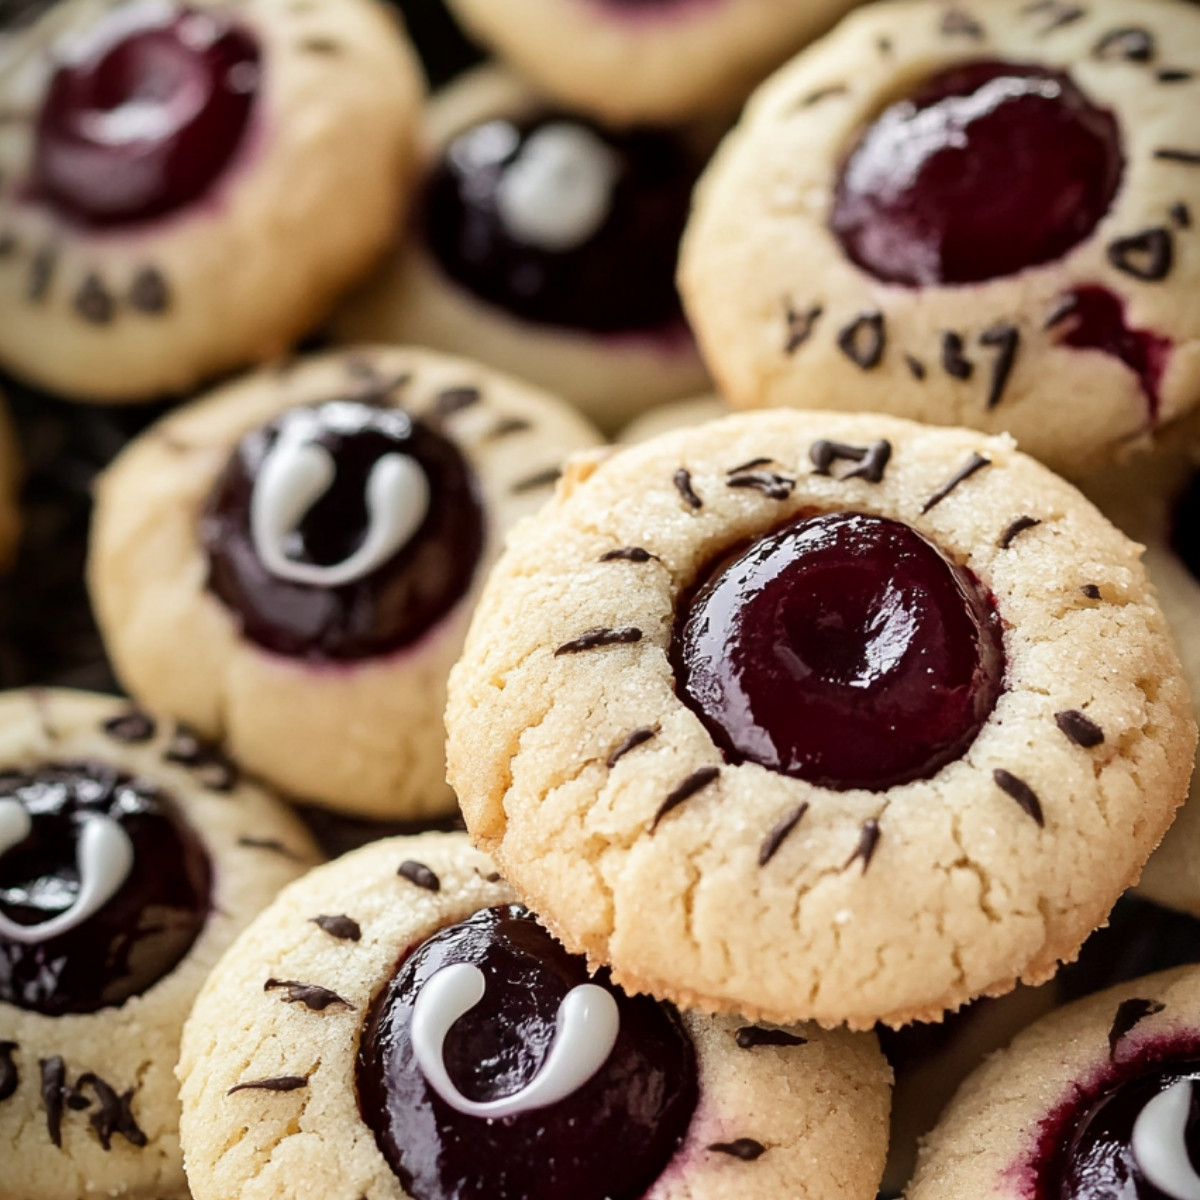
(289,564)
(408,1031)
(131,856)
(970,214)
(885,716)
(546,246)
(178,196)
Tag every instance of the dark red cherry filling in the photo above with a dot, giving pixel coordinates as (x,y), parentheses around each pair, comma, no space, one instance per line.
(147,120)
(392,605)
(844,649)
(985,170)
(611,1138)
(620,277)
(134,939)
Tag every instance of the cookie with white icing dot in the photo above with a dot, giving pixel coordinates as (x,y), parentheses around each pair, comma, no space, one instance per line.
(290,563)
(406,1031)
(131,856)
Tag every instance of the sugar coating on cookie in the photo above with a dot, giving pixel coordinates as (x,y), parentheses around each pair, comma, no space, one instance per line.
(544,245)
(177,194)
(131,856)
(969,215)
(1002,732)
(637,61)
(1094,1100)
(315,537)
(405,1030)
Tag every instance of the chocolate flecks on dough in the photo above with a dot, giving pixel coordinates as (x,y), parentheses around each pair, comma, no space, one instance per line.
(1016,529)
(454,400)
(1129,1013)
(41,273)
(1190,158)
(825,93)
(771,484)
(204,758)
(631,741)
(377,390)
(1066,307)
(274,845)
(779,833)
(492,877)
(345,929)
(507,426)
(799,326)
(916,368)
(280,1083)
(149,292)
(751,465)
(1091,591)
(1059,15)
(954,362)
(1131,43)
(9,1076)
(747,1149)
(1173,75)
(314,997)
(633,554)
(864,340)
(1021,792)
(872,459)
(751,1036)
(595,639)
(1148,255)
(868,843)
(321,46)
(130,728)
(114,1113)
(884,46)
(697,781)
(975,463)
(1181,215)
(94,302)
(1078,728)
(418,873)
(956,22)
(1006,339)
(538,480)
(54,1080)
(683,485)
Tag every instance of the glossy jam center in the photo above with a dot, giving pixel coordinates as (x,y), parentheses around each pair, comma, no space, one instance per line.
(144,929)
(391,605)
(146,120)
(844,649)
(560,223)
(987,169)
(612,1137)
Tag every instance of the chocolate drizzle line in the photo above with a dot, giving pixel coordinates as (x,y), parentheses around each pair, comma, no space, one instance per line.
(1007,340)
(41,272)
(130,728)
(1015,529)
(799,326)
(213,769)
(975,463)
(955,21)
(596,639)
(779,833)
(868,841)
(750,1036)
(149,292)
(1173,75)
(507,426)
(834,89)
(1060,14)
(751,465)
(1147,255)
(114,1113)
(1190,158)
(634,554)
(1091,591)
(1181,215)
(313,997)
(1129,1013)
(343,928)
(864,340)
(54,1079)
(418,873)
(683,485)
(94,302)
(9,1077)
(281,1083)
(953,361)
(8,244)
(453,400)
(1021,792)
(274,845)
(873,459)
(1132,43)
(916,368)
(747,1149)
(1081,730)
(631,741)
(532,482)
(772,485)
(695,782)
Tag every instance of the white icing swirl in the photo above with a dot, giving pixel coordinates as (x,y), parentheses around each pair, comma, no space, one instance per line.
(103,856)
(296,473)
(586,1028)
(1159,1145)
(558,192)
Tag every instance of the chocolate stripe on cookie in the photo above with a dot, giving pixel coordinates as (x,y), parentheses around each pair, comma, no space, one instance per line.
(773,486)
(130,728)
(1006,339)
(280,1083)
(864,340)
(695,782)
(799,326)
(1181,215)
(872,459)
(595,639)
(533,482)
(507,427)
(954,362)
(779,833)
(747,1149)
(273,845)
(1081,730)
(1189,158)
(342,927)
(750,1036)
(1131,44)
(9,1076)
(975,463)
(1021,792)
(1016,528)
(149,292)
(419,874)
(868,841)
(454,400)
(634,554)
(114,1113)
(683,485)
(1147,256)
(1129,1013)
(311,995)
(631,741)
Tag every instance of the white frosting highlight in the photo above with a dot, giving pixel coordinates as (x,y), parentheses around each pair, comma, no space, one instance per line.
(586,1029)
(103,856)
(296,474)
(558,192)
(1158,1144)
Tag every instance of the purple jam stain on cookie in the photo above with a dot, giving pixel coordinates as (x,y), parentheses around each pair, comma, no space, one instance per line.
(610,1135)
(342,531)
(1093,318)
(144,121)
(103,887)
(561,223)
(844,649)
(926,196)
